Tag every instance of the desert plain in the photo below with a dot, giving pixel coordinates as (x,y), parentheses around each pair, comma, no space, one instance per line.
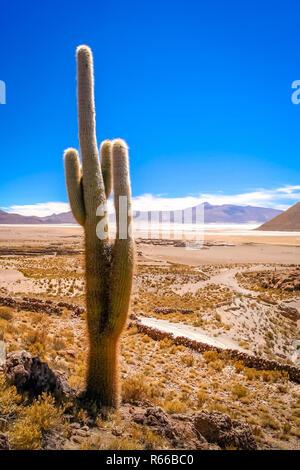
(239,290)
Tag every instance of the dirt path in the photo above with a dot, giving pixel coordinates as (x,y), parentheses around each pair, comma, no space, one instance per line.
(10,275)
(225,278)
(193,333)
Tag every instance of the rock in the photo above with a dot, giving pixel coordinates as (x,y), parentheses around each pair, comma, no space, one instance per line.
(132,316)
(220,428)
(180,417)
(80,432)
(52,440)
(38,305)
(288,287)
(116,431)
(138,418)
(77,439)
(166,310)
(180,432)
(186,435)
(289,312)
(288,280)
(30,374)
(4,444)
(71,353)
(156,416)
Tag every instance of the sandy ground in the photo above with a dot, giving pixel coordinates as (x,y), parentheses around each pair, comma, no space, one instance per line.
(248,246)
(19,235)
(242,253)
(227,252)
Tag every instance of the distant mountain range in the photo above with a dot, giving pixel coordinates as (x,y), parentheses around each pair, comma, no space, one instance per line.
(63,218)
(226,213)
(287,221)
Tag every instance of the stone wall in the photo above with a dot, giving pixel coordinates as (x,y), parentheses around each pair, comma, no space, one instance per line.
(249,360)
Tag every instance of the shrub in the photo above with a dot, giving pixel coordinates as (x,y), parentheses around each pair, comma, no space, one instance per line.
(26,435)
(118,443)
(136,388)
(239,391)
(165,343)
(188,360)
(202,397)
(38,335)
(274,375)
(175,406)
(9,399)
(269,421)
(6,313)
(37,349)
(42,416)
(210,356)
(216,365)
(149,439)
(59,344)
(239,366)
(251,374)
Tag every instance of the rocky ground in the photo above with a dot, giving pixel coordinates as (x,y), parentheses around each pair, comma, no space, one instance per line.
(173,396)
(286,280)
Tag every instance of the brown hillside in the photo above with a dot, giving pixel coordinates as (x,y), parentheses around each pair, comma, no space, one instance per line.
(287,221)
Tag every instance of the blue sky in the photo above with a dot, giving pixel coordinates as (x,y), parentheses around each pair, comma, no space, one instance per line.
(201,91)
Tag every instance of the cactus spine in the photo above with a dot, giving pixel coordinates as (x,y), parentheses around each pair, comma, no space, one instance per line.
(108,267)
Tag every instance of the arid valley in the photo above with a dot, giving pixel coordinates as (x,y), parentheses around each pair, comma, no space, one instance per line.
(213,329)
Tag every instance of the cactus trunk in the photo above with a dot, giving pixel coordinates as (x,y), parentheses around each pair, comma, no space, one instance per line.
(102,376)
(108,267)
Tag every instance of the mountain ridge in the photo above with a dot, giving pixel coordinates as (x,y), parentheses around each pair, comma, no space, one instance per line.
(225,213)
(289,220)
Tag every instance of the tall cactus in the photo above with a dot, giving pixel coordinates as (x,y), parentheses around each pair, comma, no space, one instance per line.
(108,267)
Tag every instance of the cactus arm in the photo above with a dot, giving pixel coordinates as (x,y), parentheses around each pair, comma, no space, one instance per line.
(93,186)
(123,250)
(74,184)
(106,163)
(121,184)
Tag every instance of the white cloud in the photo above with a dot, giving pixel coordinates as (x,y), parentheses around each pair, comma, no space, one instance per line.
(280,198)
(41,209)
(147,202)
